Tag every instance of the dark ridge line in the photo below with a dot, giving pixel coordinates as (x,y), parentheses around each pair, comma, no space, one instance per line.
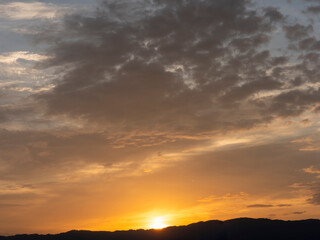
(238,220)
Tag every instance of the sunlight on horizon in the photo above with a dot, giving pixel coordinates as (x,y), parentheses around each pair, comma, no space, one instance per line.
(158,223)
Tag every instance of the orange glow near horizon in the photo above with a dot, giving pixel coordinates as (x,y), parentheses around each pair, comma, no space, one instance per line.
(158,223)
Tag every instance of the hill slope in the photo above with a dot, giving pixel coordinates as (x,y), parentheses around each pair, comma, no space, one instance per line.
(236,229)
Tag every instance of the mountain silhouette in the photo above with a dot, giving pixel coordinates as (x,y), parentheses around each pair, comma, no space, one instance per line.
(235,229)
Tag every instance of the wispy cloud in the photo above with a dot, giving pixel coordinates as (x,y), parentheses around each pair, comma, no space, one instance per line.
(259,206)
(12,57)
(27,10)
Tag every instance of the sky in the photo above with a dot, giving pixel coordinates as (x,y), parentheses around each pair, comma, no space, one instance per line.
(127,114)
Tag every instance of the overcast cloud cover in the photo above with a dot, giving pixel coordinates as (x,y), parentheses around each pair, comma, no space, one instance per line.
(192,109)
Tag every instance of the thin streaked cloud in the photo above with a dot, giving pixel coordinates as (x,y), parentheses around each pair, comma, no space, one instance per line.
(28,10)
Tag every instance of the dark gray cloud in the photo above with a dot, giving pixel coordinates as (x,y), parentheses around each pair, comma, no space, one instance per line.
(273,14)
(188,66)
(309,44)
(313,9)
(294,102)
(297,31)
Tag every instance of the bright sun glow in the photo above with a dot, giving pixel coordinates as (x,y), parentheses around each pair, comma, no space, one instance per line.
(158,223)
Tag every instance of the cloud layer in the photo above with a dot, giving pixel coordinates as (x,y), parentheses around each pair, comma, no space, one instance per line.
(164,66)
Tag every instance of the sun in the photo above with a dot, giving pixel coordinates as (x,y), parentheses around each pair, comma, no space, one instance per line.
(158,223)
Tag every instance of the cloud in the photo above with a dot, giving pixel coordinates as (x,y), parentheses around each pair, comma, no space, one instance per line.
(298,213)
(226,197)
(297,31)
(313,9)
(315,198)
(19,79)
(259,206)
(165,67)
(80,156)
(284,205)
(310,143)
(27,10)
(197,71)
(12,189)
(312,170)
(13,57)
(268,205)
(313,187)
